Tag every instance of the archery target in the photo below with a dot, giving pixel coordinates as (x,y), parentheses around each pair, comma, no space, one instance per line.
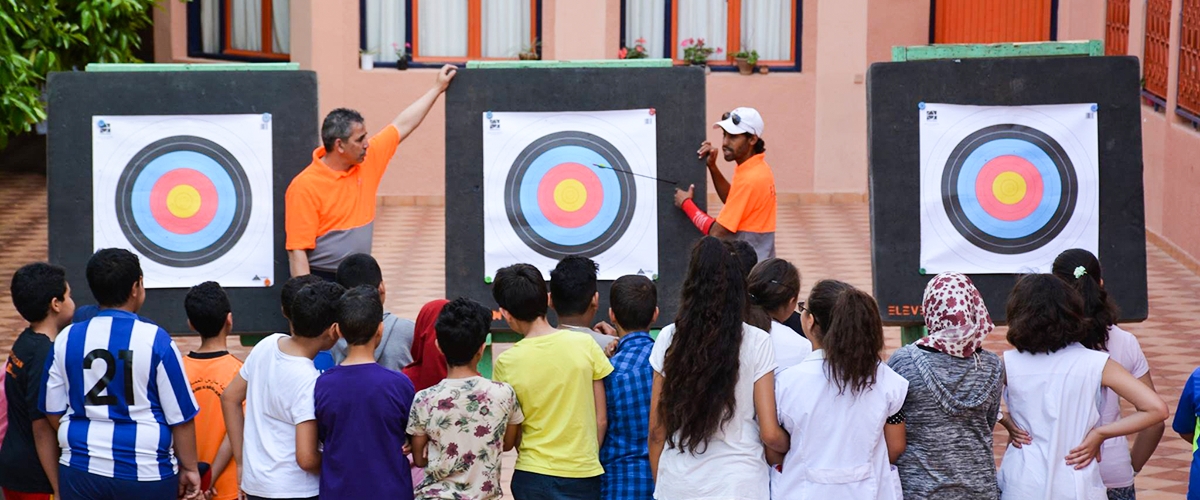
(1005,189)
(190,195)
(559,184)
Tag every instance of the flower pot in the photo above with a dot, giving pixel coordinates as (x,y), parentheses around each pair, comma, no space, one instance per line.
(763,69)
(368,61)
(402,64)
(744,66)
(528,56)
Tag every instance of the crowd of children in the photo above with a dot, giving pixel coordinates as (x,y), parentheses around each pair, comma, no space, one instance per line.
(739,397)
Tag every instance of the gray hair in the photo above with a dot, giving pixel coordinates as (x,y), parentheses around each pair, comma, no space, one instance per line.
(337,125)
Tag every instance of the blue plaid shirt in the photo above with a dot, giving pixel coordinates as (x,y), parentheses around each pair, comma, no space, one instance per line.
(625,454)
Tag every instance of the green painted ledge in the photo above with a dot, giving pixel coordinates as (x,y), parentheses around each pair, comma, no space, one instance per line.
(123,67)
(976,51)
(593,63)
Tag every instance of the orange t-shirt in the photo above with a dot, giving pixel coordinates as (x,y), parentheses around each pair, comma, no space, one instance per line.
(750,205)
(330,212)
(209,374)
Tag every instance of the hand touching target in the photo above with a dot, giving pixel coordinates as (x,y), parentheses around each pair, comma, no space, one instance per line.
(190,195)
(559,184)
(1005,189)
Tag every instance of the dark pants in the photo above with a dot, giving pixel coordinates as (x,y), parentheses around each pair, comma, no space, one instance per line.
(252,497)
(533,486)
(330,276)
(80,485)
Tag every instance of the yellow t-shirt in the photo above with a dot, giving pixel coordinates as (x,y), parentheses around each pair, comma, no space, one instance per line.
(553,377)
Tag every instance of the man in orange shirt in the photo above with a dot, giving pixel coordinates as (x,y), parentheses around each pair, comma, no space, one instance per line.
(749,213)
(209,369)
(330,206)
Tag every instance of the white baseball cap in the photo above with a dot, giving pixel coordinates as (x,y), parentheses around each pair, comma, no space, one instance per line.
(742,121)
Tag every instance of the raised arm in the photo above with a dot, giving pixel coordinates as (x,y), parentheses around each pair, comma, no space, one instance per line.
(412,116)
(708,153)
(1150,410)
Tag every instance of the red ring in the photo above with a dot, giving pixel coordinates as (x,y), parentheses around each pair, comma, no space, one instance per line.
(591,206)
(987,197)
(208,201)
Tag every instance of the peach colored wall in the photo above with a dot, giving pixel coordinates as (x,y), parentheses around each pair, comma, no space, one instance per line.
(895,22)
(1081,19)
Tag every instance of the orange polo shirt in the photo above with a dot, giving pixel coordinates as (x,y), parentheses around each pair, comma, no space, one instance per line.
(331,213)
(750,206)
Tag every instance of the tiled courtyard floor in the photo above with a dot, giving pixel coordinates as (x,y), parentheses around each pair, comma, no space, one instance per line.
(828,241)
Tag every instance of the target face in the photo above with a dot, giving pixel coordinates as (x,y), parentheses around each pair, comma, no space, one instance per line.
(559,184)
(1005,189)
(190,195)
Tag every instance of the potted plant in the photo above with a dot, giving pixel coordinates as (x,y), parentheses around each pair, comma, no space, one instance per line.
(402,55)
(366,58)
(530,52)
(696,53)
(637,52)
(746,61)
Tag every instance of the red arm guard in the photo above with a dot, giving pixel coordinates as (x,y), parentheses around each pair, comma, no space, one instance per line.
(702,220)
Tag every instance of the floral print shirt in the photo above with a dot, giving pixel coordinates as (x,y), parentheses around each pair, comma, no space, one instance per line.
(465,420)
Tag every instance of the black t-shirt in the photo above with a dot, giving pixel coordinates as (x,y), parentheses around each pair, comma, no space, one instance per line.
(795,323)
(20,469)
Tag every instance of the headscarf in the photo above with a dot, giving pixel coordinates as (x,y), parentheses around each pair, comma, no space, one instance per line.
(429,364)
(956,316)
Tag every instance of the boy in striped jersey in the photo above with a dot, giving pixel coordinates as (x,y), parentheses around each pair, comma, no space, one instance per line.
(128,407)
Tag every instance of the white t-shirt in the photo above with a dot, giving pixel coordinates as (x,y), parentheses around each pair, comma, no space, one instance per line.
(1056,396)
(279,395)
(790,347)
(733,466)
(1117,468)
(838,449)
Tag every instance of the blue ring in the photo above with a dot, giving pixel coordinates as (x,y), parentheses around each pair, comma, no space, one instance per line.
(140,201)
(1051,188)
(538,169)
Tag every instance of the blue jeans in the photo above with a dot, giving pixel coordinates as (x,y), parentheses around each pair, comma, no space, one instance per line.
(75,484)
(1127,493)
(533,486)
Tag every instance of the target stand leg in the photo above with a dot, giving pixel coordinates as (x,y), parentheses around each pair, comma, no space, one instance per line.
(910,334)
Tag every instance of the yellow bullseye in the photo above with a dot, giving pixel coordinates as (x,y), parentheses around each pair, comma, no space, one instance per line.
(1009,188)
(570,195)
(183,201)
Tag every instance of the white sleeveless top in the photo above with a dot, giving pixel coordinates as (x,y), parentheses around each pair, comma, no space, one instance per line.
(1056,397)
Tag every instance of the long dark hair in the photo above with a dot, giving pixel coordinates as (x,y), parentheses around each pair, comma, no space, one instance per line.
(700,371)
(773,284)
(849,329)
(1044,315)
(1096,303)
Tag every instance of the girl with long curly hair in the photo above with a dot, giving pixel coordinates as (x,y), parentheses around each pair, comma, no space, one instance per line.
(842,404)
(712,404)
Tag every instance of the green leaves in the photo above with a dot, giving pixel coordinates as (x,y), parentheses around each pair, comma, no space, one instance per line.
(40,36)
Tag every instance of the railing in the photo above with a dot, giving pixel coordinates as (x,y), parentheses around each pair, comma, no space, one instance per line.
(1158,46)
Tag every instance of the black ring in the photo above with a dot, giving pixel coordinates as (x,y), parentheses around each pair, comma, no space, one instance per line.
(516,213)
(242,198)
(1010,246)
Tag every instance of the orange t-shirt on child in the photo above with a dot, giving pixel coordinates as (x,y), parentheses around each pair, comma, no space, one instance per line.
(209,373)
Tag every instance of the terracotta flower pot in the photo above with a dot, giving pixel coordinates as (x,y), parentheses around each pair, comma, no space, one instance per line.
(744,66)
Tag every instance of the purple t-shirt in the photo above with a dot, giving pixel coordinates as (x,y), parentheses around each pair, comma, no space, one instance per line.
(362,414)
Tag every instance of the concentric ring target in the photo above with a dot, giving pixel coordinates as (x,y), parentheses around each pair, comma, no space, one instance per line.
(566,194)
(183,201)
(1009,189)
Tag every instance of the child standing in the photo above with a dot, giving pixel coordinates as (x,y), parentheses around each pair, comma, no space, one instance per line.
(395,350)
(209,369)
(1049,371)
(362,409)
(280,457)
(625,454)
(116,386)
(1187,424)
(774,286)
(558,377)
(29,456)
(461,425)
(842,404)
(1081,270)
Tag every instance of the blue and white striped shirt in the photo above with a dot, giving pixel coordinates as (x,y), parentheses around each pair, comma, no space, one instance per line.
(119,383)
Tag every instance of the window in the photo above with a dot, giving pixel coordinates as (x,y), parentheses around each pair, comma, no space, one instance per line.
(1157,50)
(439,31)
(1189,59)
(250,30)
(1116,23)
(993,21)
(770,27)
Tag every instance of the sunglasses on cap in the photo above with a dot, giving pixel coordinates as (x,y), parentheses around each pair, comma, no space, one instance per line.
(737,120)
